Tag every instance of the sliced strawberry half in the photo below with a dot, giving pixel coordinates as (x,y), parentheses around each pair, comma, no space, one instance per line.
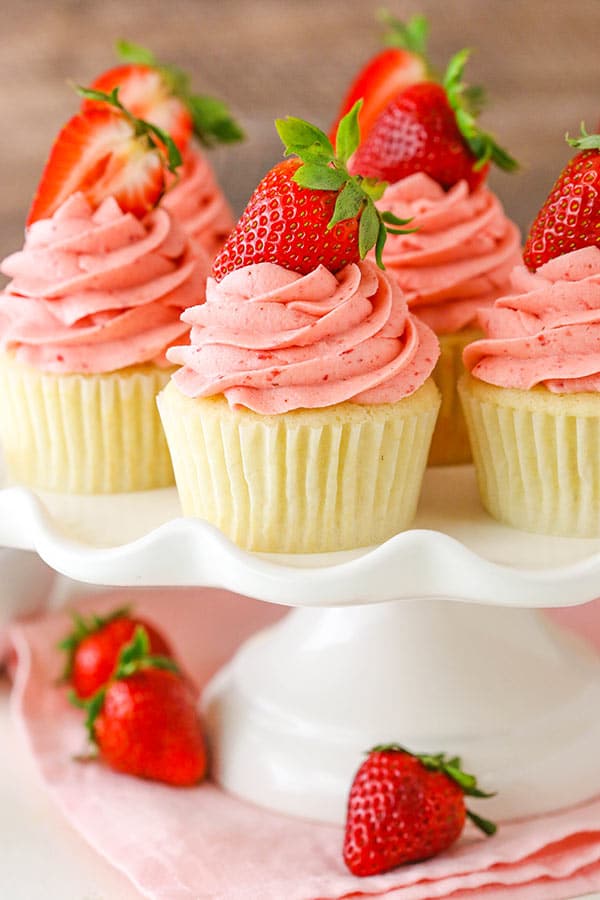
(162,94)
(389,73)
(144,91)
(106,152)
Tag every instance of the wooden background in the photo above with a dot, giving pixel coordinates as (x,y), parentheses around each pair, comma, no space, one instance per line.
(538,58)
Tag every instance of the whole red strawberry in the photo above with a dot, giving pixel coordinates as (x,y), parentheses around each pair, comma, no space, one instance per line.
(106,152)
(405,808)
(94,645)
(309,211)
(264,229)
(145,722)
(162,94)
(388,73)
(569,218)
(431,128)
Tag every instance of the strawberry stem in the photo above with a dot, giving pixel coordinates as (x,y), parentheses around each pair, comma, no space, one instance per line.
(585,141)
(411,35)
(326,169)
(140,126)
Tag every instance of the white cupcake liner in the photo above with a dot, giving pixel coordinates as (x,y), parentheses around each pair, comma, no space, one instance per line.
(86,434)
(537,456)
(305,481)
(450,443)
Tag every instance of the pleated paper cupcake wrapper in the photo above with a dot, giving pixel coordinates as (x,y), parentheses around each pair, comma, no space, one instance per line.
(450,443)
(84,434)
(305,481)
(537,457)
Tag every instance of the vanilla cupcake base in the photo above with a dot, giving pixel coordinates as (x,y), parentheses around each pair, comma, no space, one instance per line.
(305,481)
(450,443)
(84,434)
(537,456)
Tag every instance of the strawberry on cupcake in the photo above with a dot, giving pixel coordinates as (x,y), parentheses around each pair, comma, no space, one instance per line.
(425,142)
(162,94)
(301,416)
(532,395)
(93,303)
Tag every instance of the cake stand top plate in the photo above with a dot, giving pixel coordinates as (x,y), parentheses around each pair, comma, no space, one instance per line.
(455,550)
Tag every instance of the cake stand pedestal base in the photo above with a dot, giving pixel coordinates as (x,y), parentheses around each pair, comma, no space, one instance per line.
(291,716)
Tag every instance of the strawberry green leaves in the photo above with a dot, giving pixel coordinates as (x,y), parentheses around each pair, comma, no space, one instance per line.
(585,141)
(411,35)
(466,103)
(136,655)
(348,134)
(140,126)
(325,168)
(212,120)
(135,53)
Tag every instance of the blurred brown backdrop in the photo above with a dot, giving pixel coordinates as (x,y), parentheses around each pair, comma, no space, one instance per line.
(538,58)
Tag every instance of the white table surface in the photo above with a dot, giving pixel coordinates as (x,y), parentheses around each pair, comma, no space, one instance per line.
(41,856)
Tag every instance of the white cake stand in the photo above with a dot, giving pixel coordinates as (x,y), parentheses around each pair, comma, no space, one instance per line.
(431,639)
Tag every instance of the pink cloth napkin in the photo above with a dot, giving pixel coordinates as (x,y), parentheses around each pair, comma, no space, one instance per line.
(200,843)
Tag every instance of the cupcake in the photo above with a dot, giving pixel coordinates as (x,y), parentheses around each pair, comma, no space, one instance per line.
(532,395)
(301,416)
(94,302)
(427,146)
(161,94)
(456,262)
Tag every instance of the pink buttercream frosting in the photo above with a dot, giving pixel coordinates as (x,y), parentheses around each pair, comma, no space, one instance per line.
(272,340)
(547,332)
(199,204)
(98,290)
(461,256)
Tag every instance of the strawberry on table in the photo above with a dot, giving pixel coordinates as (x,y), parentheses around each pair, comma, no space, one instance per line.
(310,211)
(569,218)
(162,94)
(388,73)
(432,128)
(94,645)
(144,722)
(406,807)
(105,152)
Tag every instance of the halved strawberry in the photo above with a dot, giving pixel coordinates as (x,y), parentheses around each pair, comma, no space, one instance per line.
(162,94)
(105,152)
(145,93)
(389,73)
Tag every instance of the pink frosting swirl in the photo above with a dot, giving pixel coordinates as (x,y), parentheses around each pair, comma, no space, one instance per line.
(547,332)
(198,203)
(273,340)
(459,259)
(99,290)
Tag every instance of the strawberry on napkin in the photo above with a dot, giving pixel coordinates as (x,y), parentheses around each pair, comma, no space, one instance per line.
(196,843)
